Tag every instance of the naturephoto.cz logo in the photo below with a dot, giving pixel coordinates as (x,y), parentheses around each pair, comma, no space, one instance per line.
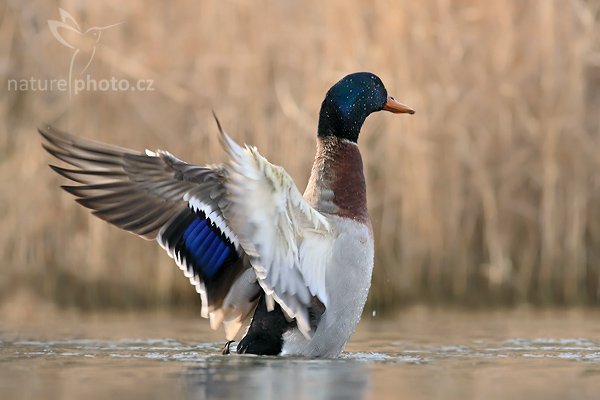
(83,45)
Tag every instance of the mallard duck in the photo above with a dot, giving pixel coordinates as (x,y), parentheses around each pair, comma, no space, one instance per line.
(242,233)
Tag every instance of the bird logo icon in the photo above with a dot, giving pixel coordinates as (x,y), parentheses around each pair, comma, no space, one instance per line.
(83,43)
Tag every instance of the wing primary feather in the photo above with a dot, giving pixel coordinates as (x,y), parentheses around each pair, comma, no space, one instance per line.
(50,133)
(146,217)
(76,160)
(80,190)
(117,209)
(78,175)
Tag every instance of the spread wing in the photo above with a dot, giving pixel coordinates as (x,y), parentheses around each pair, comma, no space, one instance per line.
(162,198)
(288,242)
(230,228)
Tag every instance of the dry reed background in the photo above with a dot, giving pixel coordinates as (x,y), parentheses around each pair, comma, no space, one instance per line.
(490,194)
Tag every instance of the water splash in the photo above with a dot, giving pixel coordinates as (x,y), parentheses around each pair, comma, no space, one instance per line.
(167,349)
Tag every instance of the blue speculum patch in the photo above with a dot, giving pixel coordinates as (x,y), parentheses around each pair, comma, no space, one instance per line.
(208,249)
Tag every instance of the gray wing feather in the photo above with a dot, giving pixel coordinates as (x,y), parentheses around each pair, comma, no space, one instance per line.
(135,191)
(156,196)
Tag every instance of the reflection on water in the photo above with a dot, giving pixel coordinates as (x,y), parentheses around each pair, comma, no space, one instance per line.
(278,379)
(418,355)
(208,374)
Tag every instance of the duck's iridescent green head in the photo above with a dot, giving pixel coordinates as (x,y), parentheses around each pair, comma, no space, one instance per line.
(350,101)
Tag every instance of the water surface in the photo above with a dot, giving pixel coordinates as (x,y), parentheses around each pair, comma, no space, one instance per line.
(417,354)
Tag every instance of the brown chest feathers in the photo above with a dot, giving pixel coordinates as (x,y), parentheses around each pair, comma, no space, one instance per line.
(337,183)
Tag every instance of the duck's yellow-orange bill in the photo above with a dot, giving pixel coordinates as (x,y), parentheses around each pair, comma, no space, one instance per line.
(393,105)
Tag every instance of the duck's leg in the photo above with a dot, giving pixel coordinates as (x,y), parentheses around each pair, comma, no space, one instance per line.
(265,335)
